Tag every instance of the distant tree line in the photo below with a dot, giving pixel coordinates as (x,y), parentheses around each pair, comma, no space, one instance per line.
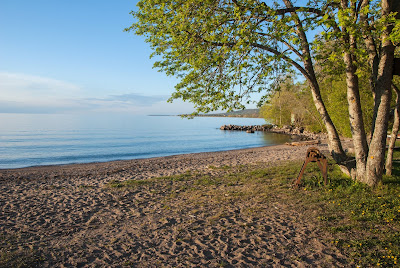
(247,113)
(292,104)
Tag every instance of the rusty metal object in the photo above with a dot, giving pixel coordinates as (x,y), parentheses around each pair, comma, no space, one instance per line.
(314,155)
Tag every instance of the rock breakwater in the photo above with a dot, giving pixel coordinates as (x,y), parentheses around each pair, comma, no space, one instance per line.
(299,132)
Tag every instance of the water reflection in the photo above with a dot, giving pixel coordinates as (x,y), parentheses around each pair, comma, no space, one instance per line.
(275,138)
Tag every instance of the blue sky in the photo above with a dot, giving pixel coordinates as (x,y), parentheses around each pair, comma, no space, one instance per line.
(73,56)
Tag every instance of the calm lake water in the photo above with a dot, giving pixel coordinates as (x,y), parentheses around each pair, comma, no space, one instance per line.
(32,140)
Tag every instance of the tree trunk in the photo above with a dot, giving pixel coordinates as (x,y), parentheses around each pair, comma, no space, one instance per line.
(376,155)
(334,143)
(354,100)
(373,58)
(395,131)
(356,118)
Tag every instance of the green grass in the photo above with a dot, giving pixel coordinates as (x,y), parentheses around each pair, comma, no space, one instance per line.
(221,167)
(136,183)
(20,259)
(362,222)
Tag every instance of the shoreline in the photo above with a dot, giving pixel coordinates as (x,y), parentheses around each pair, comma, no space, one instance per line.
(294,133)
(177,163)
(122,161)
(181,211)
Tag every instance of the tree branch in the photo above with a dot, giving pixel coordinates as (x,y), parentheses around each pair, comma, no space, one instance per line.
(286,44)
(283,11)
(263,47)
(286,58)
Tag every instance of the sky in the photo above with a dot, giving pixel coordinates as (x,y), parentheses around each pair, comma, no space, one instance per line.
(73,57)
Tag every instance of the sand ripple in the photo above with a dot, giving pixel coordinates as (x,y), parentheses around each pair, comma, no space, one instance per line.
(65,216)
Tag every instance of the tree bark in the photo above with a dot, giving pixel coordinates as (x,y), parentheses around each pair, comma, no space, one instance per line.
(395,131)
(376,156)
(334,143)
(355,116)
(373,58)
(354,100)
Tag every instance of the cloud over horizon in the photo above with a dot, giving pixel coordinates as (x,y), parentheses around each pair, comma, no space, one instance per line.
(21,93)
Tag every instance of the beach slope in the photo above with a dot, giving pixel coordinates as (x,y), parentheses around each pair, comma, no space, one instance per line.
(178,211)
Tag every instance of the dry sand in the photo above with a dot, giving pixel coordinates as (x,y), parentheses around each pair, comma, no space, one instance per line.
(66,216)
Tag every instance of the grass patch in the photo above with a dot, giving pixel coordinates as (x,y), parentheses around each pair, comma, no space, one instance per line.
(226,167)
(85,186)
(364,223)
(208,181)
(136,183)
(20,259)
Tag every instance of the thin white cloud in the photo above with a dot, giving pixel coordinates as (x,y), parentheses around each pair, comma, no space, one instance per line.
(139,99)
(29,88)
(130,99)
(21,93)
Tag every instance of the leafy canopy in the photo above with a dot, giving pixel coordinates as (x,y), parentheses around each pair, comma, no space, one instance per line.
(222,51)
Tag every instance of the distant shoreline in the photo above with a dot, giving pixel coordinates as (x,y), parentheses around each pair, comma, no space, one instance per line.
(230,116)
(93,138)
(161,115)
(247,113)
(208,115)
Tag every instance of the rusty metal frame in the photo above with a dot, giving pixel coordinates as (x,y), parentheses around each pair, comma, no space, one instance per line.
(314,155)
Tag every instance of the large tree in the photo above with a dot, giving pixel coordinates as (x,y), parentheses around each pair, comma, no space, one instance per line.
(223,51)
(395,131)
(363,29)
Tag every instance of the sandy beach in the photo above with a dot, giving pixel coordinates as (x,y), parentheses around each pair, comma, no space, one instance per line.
(69,216)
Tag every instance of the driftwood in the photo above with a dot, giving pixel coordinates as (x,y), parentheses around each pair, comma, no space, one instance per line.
(303,143)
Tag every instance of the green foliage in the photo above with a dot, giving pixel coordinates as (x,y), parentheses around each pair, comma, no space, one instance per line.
(340,22)
(222,51)
(395,35)
(334,92)
(346,34)
(335,97)
(292,104)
